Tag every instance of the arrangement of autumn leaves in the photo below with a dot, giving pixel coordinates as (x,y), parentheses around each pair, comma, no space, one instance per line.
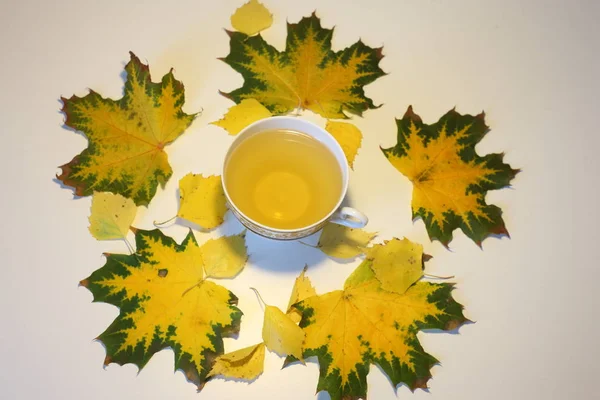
(166,291)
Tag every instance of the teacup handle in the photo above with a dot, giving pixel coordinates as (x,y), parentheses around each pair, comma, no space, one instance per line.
(350,217)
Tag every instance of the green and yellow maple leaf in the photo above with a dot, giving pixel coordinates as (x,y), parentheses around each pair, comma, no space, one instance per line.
(307,75)
(126,137)
(347,330)
(164,301)
(450,180)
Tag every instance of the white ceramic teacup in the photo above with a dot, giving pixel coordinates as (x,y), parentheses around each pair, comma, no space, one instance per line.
(346,216)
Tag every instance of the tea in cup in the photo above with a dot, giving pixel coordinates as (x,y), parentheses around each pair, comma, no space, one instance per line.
(284,178)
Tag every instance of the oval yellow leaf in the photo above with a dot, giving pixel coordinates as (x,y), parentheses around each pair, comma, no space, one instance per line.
(111,216)
(224,257)
(246,364)
(397,264)
(302,289)
(343,242)
(251,18)
(281,334)
(202,200)
(241,115)
(348,136)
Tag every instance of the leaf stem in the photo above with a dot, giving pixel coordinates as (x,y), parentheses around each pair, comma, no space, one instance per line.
(129,246)
(262,302)
(306,244)
(191,287)
(159,224)
(438,277)
(322,109)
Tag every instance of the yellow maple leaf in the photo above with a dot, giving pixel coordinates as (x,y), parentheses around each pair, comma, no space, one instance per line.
(450,180)
(126,137)
(397,264)
(224,257)
(241,115)
(307,75)
(111,216)
(348,136)
(343,242)
(281,334)
(202,200)
(347,330)
(164,302)
(246,364)
(251,18)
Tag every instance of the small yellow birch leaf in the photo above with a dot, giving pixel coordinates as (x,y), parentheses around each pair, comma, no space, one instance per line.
(251,18)
(224,257)
(302,289)
(397,264)
(111,216)
(202,200)
(281,334)
(343,242)
(241,115)
(348,136)
(246,364)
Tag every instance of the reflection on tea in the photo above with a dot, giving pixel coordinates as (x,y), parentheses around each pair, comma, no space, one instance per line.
(283,179)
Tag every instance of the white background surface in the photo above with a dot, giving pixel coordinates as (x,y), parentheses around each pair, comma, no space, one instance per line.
(531,65)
